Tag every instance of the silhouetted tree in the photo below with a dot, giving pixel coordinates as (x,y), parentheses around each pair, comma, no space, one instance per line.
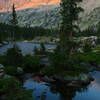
(14,22)
(69,27)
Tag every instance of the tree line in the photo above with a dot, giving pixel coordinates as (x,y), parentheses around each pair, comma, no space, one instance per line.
(12,31)
(26,33)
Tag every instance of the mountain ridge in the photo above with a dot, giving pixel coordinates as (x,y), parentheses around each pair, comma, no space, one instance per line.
(48,16)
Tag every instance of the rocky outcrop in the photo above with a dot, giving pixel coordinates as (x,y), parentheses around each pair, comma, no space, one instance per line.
(74,81)
(2,72)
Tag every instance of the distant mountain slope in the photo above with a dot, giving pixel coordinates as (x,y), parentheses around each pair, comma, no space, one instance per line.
(36,16)
(89,5)
(90,20)
(49,17)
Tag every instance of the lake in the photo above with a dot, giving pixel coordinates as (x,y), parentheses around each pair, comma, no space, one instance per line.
(44,91)
(26,47)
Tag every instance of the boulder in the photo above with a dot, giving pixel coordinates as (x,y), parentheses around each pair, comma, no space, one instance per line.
(20,70)
(1,71)
(1,66)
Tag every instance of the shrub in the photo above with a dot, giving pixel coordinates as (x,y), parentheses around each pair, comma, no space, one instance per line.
(35,50)
(87,47)
(31,64)
(89,57)
(40,51)
(49,71)
(2,60)
(14,57)
(42,47)
(10,70)
(11,88)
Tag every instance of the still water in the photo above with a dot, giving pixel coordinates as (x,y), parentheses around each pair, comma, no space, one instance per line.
(26,47)
(44,91)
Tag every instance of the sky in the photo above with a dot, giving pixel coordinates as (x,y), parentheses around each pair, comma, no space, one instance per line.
(22,4)
(6,5)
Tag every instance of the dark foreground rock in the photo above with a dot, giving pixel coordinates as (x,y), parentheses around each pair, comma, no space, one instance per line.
(68,81)
(78,81)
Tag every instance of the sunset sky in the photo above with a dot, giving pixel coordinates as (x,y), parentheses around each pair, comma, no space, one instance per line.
(22,4)
(5,5)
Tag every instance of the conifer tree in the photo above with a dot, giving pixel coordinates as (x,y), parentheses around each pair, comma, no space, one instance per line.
(14,22)
(69,28)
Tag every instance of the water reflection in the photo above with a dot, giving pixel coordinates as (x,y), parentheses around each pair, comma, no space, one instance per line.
(93,90)
(41,91)
(44,91)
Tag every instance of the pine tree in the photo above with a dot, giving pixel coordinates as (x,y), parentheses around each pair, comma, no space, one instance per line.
(14,22)
(69,27)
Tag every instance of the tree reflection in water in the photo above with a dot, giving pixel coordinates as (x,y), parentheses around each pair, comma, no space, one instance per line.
(67,93)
